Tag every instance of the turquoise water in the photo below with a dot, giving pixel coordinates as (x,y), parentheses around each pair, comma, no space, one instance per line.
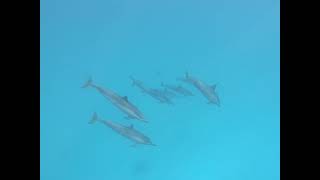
(234,44)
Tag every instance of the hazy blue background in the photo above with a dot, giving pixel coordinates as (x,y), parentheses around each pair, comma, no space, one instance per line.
(230,42)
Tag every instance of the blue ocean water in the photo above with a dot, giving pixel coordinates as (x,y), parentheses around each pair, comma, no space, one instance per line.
(234,44)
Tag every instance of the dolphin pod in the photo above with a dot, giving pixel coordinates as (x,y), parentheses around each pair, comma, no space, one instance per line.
(177,89)
(161,96)
(164,95)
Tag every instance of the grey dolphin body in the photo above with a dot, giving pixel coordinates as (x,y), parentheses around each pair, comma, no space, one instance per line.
(168,93)
(207,91)
(160,95)
(127,131)
(121,103)
(157,94)
(139,84)
(179,89)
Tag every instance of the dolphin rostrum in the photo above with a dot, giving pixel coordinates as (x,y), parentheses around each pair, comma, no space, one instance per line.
(178,89)
(207,91)
(161,95)
(127,131)
(121,103)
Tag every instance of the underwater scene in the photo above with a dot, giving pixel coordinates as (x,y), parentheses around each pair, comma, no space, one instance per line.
(159,90)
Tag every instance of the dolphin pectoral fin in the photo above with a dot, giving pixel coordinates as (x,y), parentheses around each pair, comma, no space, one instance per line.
(125,98)
(213,87)
(171,103)
(133,145)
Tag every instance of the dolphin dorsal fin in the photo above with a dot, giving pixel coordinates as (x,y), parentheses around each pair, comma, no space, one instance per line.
(125,98)
(187,74)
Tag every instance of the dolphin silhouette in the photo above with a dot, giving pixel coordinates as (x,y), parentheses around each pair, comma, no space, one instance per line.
(126,131)
(121,102)
(207,91)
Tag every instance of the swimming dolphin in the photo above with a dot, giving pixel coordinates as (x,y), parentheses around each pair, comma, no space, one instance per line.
(127,131)
(207,91)
(139,84)
(160,95)
(168,93)
(157,94)
(121,103)
(179,89)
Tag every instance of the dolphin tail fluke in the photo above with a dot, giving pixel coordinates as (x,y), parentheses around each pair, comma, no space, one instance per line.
(133,81)
(94,118)
(88,83)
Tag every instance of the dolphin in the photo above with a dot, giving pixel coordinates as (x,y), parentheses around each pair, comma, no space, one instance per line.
(168,93)
(122,103)
(139,84)
(178,89)
(207,91)
(160,95)
(127,131)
